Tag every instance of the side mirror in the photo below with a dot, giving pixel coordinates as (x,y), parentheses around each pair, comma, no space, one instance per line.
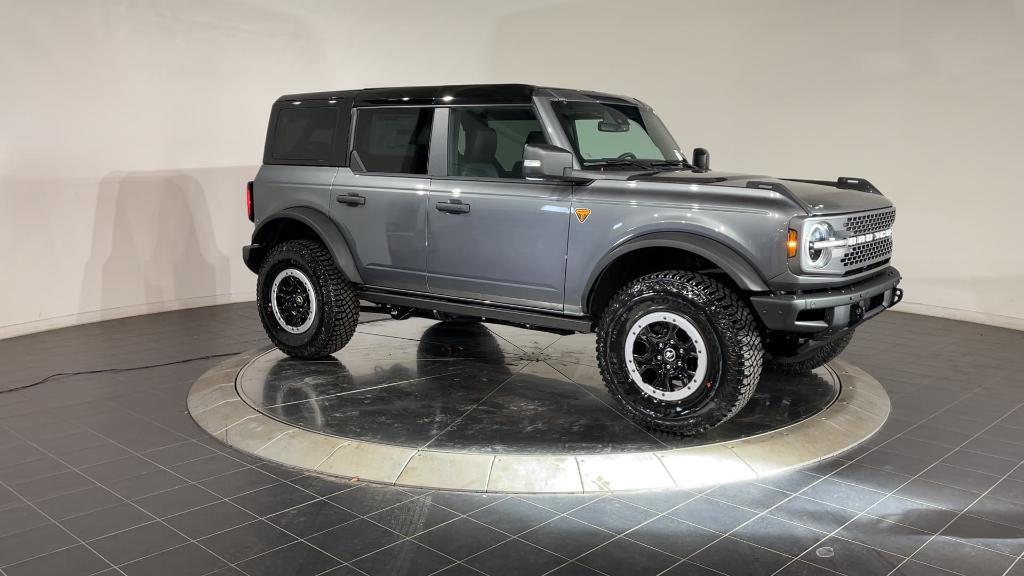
(546,162)
(701,159)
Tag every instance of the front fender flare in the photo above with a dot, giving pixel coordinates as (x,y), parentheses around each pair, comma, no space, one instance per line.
(738,268)
(322,226)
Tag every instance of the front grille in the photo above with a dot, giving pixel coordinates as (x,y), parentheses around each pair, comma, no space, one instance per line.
(868,223)
(867,253)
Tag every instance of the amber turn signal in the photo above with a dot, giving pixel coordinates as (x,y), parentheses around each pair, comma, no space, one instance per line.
(791,244)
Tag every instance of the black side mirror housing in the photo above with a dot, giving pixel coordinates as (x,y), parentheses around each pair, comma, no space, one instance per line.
(549,162)
(701,159)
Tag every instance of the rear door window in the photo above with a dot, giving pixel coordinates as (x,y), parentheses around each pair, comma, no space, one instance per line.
(392,140)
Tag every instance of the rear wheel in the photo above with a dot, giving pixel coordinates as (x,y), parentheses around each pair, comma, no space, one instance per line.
(821,356)
(308,308)
(679,351)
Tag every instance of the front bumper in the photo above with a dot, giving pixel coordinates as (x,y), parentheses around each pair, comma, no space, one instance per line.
(833,310)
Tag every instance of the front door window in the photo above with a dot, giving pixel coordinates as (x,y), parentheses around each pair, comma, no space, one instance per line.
(487,141)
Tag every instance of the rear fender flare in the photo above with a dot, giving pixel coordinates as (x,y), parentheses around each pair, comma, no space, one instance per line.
(325,230)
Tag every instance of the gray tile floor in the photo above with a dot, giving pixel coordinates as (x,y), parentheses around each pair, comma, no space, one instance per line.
(105,473)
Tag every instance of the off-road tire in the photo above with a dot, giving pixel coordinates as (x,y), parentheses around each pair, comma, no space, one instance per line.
(337,306)
(821,356)
(731,336)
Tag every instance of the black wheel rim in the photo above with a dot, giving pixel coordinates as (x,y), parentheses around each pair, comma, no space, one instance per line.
(293,301)
(666,356)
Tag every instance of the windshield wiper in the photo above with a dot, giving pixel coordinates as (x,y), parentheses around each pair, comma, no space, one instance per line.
(619,162)
(679,163)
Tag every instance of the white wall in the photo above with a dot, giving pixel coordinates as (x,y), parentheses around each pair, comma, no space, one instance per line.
(925,98)
(127,129)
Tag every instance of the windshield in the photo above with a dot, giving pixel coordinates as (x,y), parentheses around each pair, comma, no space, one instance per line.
(603,133)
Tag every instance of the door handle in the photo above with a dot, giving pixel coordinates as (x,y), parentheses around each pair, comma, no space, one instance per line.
(453,207)
(351,199)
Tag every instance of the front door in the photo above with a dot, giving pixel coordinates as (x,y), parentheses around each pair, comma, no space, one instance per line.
(380,201)
(492,235)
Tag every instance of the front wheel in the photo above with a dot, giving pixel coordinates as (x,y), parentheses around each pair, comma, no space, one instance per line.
(308,308)
(679,351)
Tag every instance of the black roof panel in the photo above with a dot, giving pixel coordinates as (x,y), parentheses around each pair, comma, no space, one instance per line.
(451,94)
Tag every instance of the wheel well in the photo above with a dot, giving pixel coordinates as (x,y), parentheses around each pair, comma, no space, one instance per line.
(643,261)
(283,229)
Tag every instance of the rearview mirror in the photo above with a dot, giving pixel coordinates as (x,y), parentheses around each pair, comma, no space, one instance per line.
(608,126)
(548,162)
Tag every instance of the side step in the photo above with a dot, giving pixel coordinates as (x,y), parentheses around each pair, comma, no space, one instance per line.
(490,312)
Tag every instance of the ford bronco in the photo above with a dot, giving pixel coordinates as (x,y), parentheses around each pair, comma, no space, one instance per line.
(562,210)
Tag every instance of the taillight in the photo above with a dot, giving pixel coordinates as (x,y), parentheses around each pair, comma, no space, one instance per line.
(248,202)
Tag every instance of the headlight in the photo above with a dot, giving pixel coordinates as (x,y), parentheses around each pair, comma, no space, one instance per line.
(820,231)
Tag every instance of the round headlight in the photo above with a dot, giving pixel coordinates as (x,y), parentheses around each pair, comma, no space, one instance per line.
(820,231)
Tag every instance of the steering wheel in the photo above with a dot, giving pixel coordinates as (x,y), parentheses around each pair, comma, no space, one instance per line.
(627,156)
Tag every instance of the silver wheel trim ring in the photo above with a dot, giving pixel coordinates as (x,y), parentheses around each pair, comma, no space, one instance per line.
(702,356)
(309,293)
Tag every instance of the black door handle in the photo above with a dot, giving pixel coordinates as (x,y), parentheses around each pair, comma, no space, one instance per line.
(351,199)
(453,207)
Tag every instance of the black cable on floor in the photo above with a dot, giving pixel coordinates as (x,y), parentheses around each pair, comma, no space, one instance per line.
(115,370)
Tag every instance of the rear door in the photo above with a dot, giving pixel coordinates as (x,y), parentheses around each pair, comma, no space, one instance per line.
(492,235)
(379,202)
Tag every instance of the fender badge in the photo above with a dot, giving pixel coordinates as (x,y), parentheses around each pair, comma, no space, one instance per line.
(582,214)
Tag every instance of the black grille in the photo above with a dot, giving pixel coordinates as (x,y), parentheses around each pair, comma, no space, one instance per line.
(866,253)
(868,223)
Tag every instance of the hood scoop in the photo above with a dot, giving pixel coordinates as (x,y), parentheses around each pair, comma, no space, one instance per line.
(843,182)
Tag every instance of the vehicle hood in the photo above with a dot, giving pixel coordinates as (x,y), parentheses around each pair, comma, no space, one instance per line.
(812,197)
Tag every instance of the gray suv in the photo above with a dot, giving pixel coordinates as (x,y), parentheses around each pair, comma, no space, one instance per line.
(562,210)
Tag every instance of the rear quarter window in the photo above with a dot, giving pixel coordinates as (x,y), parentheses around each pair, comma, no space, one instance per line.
(305,134)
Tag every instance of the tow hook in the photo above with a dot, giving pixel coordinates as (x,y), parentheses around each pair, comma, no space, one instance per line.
(897,296)
(856,314)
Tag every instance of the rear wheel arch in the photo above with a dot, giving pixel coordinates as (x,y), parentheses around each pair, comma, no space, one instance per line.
(668,251)
(303,223)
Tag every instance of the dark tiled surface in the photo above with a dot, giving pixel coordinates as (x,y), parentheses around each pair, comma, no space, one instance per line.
(107,474)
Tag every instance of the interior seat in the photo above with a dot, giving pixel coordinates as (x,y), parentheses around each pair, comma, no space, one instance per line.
(478,160)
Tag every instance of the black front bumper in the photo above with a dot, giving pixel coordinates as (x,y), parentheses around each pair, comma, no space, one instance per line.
(833,310)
